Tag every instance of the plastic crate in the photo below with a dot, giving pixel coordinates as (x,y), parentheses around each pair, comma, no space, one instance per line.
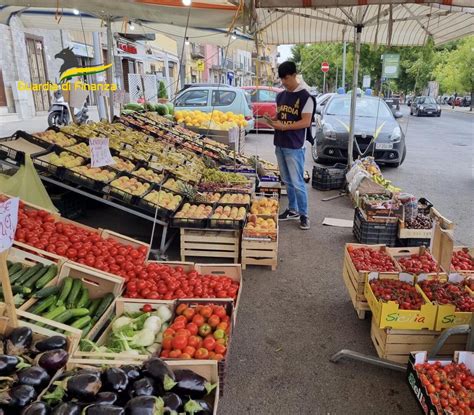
(374,233)
(407,242)
(329,177)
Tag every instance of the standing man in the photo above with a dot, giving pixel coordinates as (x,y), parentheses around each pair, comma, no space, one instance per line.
(295,111)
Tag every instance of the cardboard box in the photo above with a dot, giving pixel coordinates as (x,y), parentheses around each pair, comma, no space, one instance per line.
(417,387)
(389,314)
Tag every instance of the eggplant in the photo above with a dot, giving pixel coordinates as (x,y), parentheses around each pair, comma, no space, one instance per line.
(160,371)
(8,364)
(18,396)
(105,398)
(19,341)
(67,408)
(172,402)
(198,407)
(115,380)
(84,386)
(142,387)
(144,405)
(51,343)
(191,384)
(52,360)
(104,410)
(34,376)
(132,372)
(36,408)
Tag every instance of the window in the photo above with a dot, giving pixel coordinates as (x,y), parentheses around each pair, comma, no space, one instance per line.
(264,95)
(196,98)
(366,108)
(223,98)
(427,100)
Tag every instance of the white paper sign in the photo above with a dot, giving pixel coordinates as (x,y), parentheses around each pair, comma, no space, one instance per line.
(100,152)
(8,222)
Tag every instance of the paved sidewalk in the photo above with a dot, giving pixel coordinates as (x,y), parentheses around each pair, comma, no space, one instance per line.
(465,110)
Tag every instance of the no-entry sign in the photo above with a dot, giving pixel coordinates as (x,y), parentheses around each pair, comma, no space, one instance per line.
(325,66)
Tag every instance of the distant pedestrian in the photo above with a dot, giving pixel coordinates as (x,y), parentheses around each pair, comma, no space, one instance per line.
(454,100)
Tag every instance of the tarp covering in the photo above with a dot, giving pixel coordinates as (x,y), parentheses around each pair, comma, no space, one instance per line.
(346,3)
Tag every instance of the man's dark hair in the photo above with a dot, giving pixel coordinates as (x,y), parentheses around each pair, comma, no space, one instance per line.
(286,68)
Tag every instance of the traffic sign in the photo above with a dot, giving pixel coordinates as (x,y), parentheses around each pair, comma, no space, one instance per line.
(325,66)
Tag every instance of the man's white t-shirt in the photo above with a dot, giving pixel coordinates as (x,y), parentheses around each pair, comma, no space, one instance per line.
(309,106)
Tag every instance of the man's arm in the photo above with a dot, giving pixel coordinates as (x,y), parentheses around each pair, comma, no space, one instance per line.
(305,122)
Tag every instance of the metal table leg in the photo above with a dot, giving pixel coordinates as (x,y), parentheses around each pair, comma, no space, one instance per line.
(360,357)
(463,329)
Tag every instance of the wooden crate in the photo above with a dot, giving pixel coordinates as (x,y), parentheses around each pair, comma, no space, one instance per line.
(396,345)
(210,243)
(358,299)
(263,253)
(444,223)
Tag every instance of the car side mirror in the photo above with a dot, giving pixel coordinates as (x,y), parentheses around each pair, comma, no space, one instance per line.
(398,114)
(318,111)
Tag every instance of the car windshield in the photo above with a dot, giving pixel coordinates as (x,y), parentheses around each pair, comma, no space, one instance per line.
(368,108)
(427,100)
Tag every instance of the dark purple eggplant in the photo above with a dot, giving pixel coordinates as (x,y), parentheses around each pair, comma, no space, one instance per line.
(142,387)
(172,402)
(67,408)
(18,396)
(19,341)
(144,405)
(52,360)
(160,371)
(83,387)
(105,398)
(34,376)
(115,380)
(36,408)
(191,384)
(132,372)
(8,364)
(104,410)
(51,343)
(198,407)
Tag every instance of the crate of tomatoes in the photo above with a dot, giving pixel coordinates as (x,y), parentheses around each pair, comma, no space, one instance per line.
(416,261)
(452,296)
(462,260)
(397,302)
(442,387)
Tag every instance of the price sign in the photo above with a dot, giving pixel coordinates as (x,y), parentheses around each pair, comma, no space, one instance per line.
(100,152)
(8,222)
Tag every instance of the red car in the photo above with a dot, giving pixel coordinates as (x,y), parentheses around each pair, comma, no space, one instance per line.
(263,101)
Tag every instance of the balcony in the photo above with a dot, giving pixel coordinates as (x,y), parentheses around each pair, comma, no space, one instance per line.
(229,64)
(197,51)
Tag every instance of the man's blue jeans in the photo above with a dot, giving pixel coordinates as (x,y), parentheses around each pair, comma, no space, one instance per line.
(291,163)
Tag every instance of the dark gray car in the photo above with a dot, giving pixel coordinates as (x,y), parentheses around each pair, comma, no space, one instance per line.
(425,106)
(377,133)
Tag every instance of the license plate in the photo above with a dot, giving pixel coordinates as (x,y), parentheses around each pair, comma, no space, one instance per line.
(429,112)
(383,146)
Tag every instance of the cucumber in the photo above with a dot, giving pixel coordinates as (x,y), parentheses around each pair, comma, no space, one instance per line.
(87,329)
(32,280)
(47,277)
(82,322)
(42,305)
(72,313)
(14,268)
(93,306)
(17,275)
(104,305)
(66,288)
(28,274)
(17,290)
(46,292)
(84,298)
(71,298)
(53,315)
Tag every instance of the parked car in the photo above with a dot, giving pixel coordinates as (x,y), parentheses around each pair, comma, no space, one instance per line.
(263,101)
(377,131)
(217,97)
(466,101)
(393,103)
(425,106)
(323,99)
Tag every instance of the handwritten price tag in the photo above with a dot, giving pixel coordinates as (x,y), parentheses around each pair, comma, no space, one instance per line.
(100,152)
(8,222)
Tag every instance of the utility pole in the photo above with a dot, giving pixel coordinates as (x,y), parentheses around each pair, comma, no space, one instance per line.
(344,65)
(337,77)
(97,61)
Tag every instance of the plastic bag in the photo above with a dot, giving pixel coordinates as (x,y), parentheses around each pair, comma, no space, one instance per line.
(27,185)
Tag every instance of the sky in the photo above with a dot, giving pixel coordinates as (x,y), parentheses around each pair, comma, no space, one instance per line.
(285,52)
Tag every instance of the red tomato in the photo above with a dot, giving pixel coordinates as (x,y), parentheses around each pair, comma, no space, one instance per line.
(193,328)
(190,350)
(209,343)
(167,343)
(206,311)
(213,321)
(180,309)
(179,342)
(220,348)
(147,308)
(198,320)
(195,341)
(174,354)
(201,353)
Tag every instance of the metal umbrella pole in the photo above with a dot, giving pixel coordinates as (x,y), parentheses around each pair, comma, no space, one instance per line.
(110,71)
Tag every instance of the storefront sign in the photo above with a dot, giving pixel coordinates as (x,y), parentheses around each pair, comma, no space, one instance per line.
(391,65)
(100,152)
(126,47)
(8,222)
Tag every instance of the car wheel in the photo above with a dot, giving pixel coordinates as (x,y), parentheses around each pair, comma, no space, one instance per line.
(411,112)
(418,114)
(439,114)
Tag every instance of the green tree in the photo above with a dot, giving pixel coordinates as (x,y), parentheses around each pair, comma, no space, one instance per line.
(162,92)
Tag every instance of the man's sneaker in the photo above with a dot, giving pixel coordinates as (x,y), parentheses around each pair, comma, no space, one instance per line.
(288,215)
(304,222)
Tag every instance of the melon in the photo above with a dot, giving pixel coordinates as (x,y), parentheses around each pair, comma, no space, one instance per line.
(161,109)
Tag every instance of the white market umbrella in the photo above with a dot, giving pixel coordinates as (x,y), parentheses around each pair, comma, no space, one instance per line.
(387,22)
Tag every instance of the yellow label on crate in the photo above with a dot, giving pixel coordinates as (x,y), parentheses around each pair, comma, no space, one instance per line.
(447,316)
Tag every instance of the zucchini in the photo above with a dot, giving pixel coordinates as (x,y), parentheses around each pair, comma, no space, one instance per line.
(72,297)
(104,305)
(66,288)
(87,329)
(47,277)
(16,289)
(31,281)
(46,292)
(53,314)
(93,306)
(72,313)
(17,275)
(28,274)
(82,322)
(84,298)
(14,268)
(42,305)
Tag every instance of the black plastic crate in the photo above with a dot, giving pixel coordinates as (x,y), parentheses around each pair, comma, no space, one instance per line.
(18,156)
(409,242)
(70,204)
(152,207)
(373,232)
(85,181)
(125,196)
(329,177)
